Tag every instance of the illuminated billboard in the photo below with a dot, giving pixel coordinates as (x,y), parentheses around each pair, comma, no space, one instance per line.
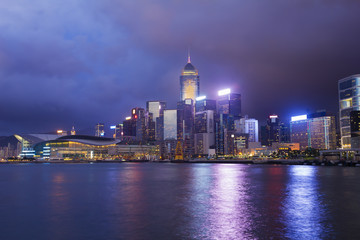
(224,92)
(299,118)
(200,98)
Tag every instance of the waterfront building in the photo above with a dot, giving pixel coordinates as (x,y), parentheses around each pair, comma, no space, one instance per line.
(316,130)
(349,100)
(271,132)
(224,128)
(284,132)
(73,147)
(299,131)
(100,130)
(229,103)
(189,82)
(248,126)
(185,126)
(355,129)
(204,132)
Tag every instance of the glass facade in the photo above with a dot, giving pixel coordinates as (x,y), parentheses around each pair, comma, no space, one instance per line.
(230,104)
(349,100)
(170,124)
(189,83)
(317,132)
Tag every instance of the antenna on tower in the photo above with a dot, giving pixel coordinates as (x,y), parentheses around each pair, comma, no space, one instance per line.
(189,59)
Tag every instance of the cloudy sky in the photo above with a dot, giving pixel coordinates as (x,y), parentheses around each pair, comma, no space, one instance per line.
(79,62)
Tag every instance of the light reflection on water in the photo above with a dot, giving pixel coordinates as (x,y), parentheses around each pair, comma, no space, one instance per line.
(178,201)
(304,209)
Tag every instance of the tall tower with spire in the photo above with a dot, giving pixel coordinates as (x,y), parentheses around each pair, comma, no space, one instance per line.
(189,81)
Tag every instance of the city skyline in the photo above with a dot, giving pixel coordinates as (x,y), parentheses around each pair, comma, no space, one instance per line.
(94,65)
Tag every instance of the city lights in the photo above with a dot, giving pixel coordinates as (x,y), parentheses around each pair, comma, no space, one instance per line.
(113,127)
(224,92)
(59,131)
(274,116)
(127,118)
(200,98)
(299,118)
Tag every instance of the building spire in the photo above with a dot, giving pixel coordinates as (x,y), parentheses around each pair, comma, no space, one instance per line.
(189,59)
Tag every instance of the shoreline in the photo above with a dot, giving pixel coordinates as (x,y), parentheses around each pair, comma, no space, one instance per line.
(314,162)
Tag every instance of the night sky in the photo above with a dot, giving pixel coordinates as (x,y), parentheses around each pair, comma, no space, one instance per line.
(69,62)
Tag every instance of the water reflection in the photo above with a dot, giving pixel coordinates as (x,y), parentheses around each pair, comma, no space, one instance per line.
(304,211)
(220,208)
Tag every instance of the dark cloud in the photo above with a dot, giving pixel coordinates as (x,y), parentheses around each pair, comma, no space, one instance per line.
(82,62)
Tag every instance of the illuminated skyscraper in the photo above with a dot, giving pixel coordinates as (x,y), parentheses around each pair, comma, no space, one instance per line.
(189,82)
(349,100)
(229,103)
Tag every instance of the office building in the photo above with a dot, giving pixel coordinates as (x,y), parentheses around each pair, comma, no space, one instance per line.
(349,99)
(204,132)
(271,132)
(229,103)
(224,128)
(156,108)
(203,104)
(189,82)
(316,130)
(248,126)
(185,126)
(355,129)
(170,124)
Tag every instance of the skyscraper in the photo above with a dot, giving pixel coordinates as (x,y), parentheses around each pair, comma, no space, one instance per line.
(189,82)
(355,129)
(203,104)
(229,103)
(156,108)
(185,126)
(271,131)
(204,132)
(349,100)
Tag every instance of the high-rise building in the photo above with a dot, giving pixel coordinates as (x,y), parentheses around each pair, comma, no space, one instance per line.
(189,82)
(224,129)
(170,124)
(355,129)
(229,103)
(185,126)
(272,130)
(100,130)
(316,130)
(156,108)
(349,100)
(248,126)
(203,104)
(204,132)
